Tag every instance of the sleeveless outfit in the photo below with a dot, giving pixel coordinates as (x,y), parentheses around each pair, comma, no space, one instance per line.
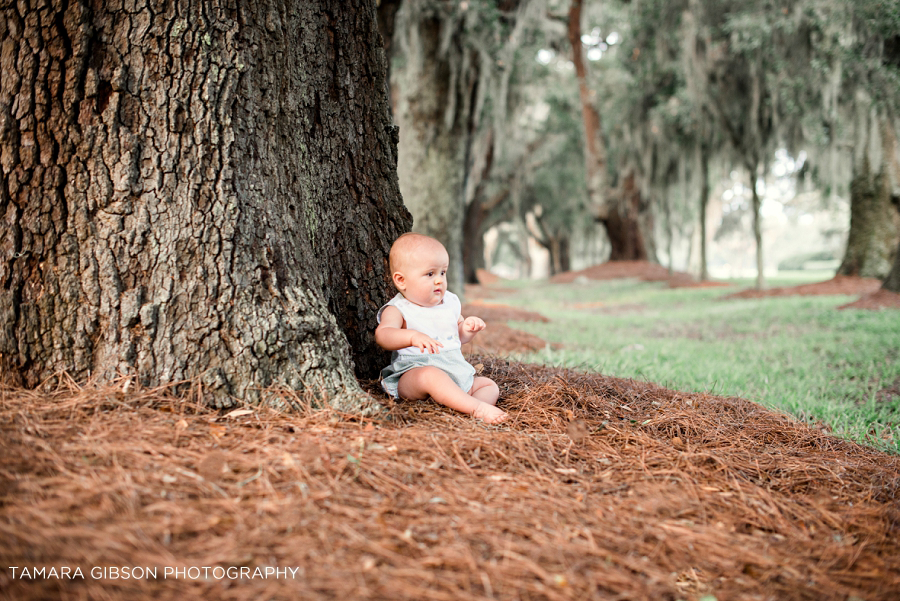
(440,323)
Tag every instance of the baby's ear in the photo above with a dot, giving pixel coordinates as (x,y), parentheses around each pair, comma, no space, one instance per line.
(399,280)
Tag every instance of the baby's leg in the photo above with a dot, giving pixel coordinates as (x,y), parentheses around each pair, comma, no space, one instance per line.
(485,390)
(421,382)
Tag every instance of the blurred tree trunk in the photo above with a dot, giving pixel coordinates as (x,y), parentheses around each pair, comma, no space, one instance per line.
(892,281)
(670,232)
(873,235)
(620,213)
(869,207)
(554,240)
(477,211)
(560,260)
(387,16)
(473,234)
(436,93)
(203,192)
(594,145)
(757,228)
(482,212)
(624,229)
(704,205)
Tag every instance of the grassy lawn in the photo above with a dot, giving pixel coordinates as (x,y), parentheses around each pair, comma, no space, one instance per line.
(797,354)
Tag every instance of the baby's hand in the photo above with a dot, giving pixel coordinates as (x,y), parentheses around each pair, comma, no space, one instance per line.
(426,343)
(473,324)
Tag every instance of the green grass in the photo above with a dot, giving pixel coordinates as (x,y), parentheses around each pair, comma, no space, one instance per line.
(797,354)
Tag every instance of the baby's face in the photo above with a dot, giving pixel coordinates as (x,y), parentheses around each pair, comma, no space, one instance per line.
(423,279)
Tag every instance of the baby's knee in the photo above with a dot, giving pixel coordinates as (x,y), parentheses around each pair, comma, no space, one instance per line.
(482,382)
(485,390)
(428,375)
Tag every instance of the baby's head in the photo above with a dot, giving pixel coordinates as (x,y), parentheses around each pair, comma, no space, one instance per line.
(419,269)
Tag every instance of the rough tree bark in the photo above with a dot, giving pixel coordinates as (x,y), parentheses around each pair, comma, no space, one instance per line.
(195,189)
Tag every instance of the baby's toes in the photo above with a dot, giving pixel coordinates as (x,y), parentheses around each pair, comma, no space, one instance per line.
(490,414)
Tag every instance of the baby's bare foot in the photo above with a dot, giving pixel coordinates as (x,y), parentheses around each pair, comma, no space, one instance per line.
(489,414)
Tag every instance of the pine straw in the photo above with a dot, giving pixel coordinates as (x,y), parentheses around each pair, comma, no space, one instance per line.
(499,338)
(644,270)
(661,495)
(880,299)
(839,284)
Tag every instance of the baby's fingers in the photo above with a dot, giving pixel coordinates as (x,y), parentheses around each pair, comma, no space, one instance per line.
(430,346)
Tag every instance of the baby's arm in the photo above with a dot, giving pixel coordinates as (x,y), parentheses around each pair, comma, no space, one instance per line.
(468,327)
(392,336)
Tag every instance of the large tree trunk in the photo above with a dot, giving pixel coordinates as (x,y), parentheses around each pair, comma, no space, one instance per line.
(193,191)
(435,95)
(873,225)
(874,222)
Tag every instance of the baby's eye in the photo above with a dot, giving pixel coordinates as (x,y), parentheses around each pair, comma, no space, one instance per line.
(443,272)
(430,273)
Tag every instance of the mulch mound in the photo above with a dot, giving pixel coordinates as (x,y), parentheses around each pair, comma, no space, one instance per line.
(481,292)
(644,270)
(597,487)
(498,338)
(497,312)
(686,280)
(486,278)
(839,284)
(611,270)
(881,299)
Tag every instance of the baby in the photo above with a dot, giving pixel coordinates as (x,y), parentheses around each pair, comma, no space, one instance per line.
(424,328)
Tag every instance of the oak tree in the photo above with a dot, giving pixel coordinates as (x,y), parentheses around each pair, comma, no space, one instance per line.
(195,190)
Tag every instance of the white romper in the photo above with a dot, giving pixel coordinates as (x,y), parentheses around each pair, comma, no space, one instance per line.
(440,323)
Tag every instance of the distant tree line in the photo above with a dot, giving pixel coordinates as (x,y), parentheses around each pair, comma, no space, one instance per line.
(685,85)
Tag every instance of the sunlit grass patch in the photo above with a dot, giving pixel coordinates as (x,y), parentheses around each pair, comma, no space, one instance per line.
(796,353)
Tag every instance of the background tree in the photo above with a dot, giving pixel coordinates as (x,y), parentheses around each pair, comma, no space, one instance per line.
(555,204)
(861,97)
(195,190)
(623,211)
(731,61)
(661,132)
(445,54)
(690,90)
